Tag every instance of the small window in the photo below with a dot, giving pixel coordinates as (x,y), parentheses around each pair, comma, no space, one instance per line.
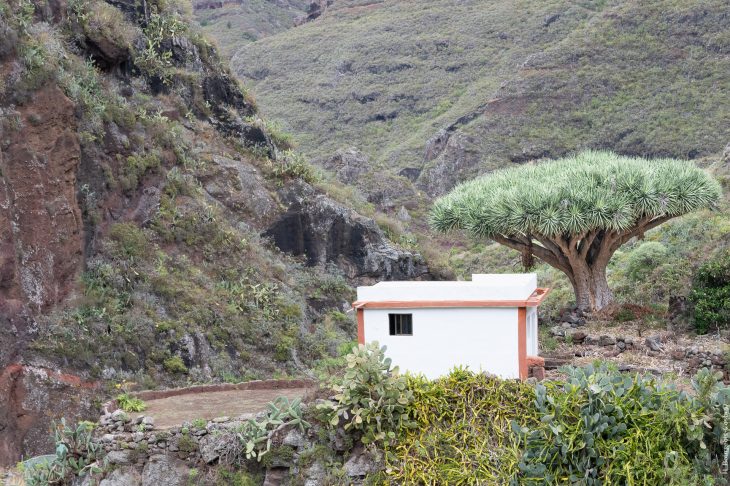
(401,324)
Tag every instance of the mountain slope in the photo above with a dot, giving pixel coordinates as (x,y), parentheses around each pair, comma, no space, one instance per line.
(144,207)
(452,89)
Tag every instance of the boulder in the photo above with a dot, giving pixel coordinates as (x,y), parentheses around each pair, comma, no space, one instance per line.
(118,457)
(167,470)
(124,476)
(578,337)
(606,341)
(349,165)
(654,343)
(362,462)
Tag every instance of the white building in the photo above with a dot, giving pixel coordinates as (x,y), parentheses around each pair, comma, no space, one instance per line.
(488,324)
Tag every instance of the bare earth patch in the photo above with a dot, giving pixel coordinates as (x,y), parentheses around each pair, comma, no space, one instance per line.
(173,411)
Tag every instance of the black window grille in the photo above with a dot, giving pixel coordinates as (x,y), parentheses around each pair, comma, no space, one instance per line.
(401,324)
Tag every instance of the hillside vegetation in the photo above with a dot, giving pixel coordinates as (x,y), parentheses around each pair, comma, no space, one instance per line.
(139,189)
(498,82)
(233,24)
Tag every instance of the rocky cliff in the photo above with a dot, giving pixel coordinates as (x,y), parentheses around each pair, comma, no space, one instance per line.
(144,207)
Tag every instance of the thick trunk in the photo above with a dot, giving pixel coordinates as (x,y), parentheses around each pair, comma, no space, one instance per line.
(591,287)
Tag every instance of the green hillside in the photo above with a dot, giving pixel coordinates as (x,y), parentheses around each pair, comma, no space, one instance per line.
(235,24)
(506,81)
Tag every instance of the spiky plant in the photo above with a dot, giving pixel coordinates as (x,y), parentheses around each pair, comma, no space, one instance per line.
(574,213)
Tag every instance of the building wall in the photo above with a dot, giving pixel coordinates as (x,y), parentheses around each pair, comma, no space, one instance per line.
(484,339)
(531,324)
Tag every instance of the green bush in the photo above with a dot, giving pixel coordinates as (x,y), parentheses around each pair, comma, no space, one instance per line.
(604,427)
(175,364)
(711,293)
(462,432)
(293,165)
(129,403)
(642,260)
(129,241)
(371,397)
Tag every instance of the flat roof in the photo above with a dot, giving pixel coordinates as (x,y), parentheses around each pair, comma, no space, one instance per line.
(482,287)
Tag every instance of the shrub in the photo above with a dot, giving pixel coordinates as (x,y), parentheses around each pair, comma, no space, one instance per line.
(644,259)
(75,455)
(129,241)
(175,364)
(129,403)
(462,431)
(293,165)
(604,427)
(371,397)
(710,293)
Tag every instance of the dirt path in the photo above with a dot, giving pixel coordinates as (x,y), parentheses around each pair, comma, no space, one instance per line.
(173,411)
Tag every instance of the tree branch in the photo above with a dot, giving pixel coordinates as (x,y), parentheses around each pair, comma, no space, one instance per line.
(541,252)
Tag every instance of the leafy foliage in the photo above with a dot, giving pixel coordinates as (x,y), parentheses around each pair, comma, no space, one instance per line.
(572,196)
(75,455)
(129,403)
(462,430)
(605,427)
(293,165)
(711,293)
(255,435)
(371,397)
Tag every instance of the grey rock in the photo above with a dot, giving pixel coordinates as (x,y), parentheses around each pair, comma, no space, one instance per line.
(138,436)
(294,438)
(148,420)
(276,476)
(348,165)
(654,343)
(120,416)
(108,438)
(578,337)
(118,457)
(167,470)
(240,187)
(557,331)
(403,214)
(314,474)
(124,476)
(362,462)
(606,341)
(208,448)
(325,231)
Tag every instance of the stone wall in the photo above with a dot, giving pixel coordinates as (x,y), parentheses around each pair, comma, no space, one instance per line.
(138,454)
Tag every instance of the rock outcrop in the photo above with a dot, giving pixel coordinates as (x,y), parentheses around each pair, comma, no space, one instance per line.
(322,230)
(34,396)
(41,231)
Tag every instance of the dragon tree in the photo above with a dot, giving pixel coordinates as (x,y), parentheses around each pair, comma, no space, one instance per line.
(574,213)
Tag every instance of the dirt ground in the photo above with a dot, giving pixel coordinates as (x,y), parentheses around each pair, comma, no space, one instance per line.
(173,411)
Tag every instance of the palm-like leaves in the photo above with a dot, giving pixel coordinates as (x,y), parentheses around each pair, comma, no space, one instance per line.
(590,191)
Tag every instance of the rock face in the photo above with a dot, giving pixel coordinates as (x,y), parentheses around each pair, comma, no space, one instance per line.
(348,165)
(40,237)
(30,398)
(450,157)
(321,230)
(240,188)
